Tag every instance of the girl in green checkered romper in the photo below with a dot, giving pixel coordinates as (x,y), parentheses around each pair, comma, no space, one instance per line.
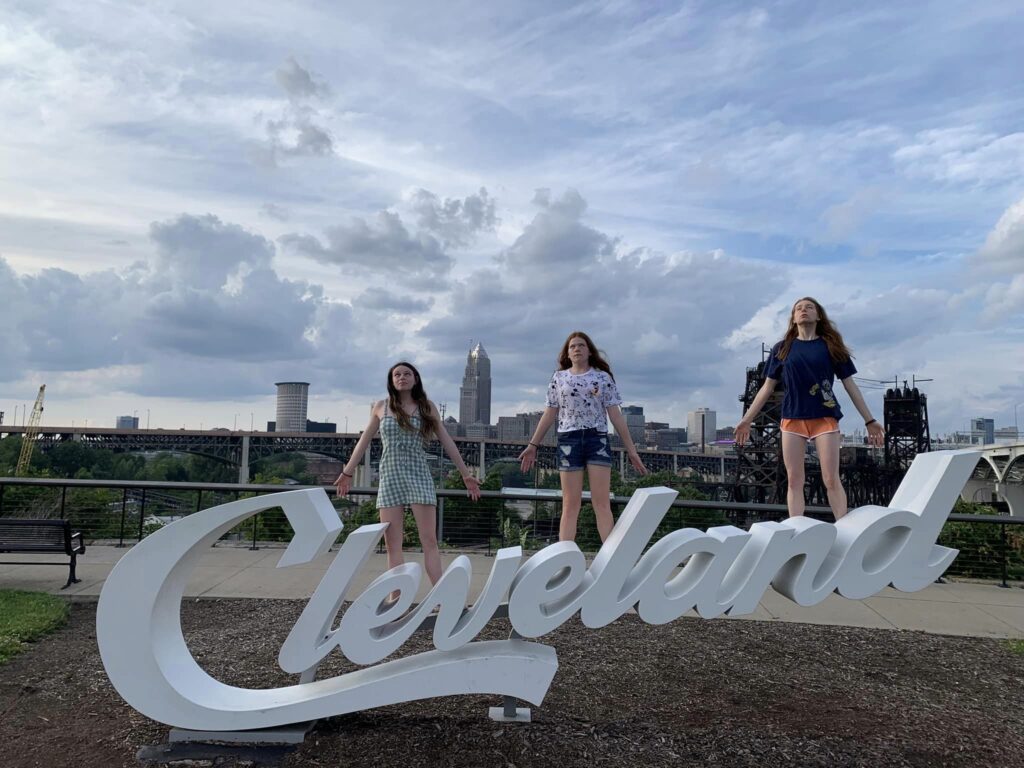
(406,421)
(404,474)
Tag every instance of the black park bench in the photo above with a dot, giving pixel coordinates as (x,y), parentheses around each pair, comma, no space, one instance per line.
(43,536)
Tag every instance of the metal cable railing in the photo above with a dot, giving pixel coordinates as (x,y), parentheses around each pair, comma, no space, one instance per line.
(124,511)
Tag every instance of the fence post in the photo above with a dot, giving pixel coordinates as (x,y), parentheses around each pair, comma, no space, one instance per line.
(440,520)
(2,488)
(142,511)
(1002,542)
(254,519)
(124,512)
(199,499)
(63,497)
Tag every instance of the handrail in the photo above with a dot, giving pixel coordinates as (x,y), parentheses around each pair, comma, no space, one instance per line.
(527,494)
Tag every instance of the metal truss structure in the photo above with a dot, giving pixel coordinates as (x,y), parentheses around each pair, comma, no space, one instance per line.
(759,475)
(906,426)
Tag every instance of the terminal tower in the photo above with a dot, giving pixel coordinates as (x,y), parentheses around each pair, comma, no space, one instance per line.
(475,392)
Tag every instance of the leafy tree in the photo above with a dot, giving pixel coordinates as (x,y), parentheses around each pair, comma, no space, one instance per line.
(468,522)
(982,545)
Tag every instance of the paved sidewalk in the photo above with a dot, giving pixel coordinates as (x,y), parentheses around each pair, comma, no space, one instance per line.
(957,608)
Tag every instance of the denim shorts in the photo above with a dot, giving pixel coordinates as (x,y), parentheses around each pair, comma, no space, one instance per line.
(580,447)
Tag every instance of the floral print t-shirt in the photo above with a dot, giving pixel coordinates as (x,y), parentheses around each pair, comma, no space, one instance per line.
(582,399)
(808,373)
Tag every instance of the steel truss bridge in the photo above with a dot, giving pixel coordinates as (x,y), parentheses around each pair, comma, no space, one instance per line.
(240,449)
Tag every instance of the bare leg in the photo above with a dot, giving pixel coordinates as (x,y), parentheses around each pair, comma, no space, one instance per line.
(426,522)
(600,497)
(794,450)
(395,517)
(572,494)
(828,454)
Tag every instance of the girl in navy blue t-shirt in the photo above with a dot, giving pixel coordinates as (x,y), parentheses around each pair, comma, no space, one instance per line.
(808,360)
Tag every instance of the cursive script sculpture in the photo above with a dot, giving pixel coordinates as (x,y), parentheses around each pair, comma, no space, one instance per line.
(725,570)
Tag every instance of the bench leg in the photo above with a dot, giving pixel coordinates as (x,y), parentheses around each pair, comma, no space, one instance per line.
(71,571)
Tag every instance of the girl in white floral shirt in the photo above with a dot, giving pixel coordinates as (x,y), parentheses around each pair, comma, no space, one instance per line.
(582,396)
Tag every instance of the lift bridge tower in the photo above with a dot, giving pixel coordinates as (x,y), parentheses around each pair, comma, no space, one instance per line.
(760,476)
(906,425)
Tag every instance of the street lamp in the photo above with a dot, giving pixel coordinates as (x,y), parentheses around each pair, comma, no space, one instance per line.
(235,428)
(147,418)
(1016,429)
(252,421)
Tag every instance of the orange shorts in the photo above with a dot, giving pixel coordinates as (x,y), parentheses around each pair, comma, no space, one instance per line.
(810,428)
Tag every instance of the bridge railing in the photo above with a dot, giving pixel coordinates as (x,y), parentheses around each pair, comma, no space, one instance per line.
(121,512)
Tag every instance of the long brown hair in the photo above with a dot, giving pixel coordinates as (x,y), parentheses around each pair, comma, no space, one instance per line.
(428,424)
(596,360)
(837,348)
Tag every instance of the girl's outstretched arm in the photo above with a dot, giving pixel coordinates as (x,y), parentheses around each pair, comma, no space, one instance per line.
(471,483)
(743,427)
(529,454)
(344,481)
(876,434)
(619,422)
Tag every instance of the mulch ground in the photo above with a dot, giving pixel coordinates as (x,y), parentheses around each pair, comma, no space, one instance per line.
(720,692)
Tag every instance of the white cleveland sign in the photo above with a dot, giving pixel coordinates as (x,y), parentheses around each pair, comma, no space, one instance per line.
(725,570)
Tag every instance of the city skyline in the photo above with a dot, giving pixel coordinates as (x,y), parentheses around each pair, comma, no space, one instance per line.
(293,398)
(192,208)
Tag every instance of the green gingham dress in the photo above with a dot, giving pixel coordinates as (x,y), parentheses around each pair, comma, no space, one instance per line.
(404,474)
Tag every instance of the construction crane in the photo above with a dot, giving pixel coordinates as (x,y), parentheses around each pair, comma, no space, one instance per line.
(28,438)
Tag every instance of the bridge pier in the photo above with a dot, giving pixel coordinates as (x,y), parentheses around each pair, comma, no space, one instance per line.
(978,491)
(1013,495)
(985,491)
(243,464)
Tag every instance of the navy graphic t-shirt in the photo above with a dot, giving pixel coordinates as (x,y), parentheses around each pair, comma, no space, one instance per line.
(808,373)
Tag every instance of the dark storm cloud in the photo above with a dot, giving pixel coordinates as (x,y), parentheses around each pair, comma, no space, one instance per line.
(456,222)
(383,246)
(385,301)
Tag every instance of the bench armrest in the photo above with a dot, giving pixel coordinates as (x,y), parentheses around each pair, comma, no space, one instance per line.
(77,546)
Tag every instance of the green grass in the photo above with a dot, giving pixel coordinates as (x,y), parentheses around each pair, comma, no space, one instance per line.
(25,617)
(1017,646)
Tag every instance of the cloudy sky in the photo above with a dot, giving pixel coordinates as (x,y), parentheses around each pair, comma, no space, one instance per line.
(200,199)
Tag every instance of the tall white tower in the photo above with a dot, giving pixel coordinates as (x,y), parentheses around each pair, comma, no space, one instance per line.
(292,399)
(695,420)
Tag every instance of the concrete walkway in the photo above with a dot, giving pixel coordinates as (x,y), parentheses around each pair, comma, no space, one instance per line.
(957,608)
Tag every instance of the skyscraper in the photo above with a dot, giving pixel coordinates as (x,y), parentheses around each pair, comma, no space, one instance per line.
(475,392)
(983,431)
(292,397)
(695,420)
(634,415)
